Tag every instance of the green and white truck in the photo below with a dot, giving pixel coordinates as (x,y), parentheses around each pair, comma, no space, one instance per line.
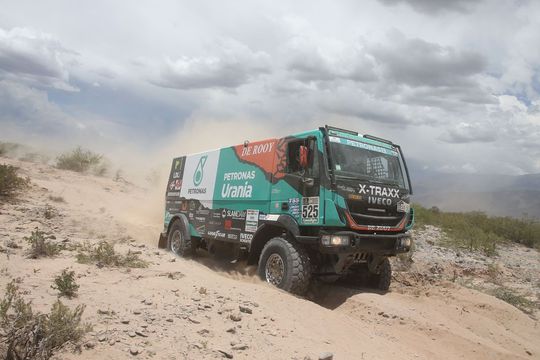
(323,203)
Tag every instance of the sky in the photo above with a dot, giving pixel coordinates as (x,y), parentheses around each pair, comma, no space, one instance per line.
(456,83)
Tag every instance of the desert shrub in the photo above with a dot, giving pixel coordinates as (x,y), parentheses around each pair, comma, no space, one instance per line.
(65,284)
(35,158)
(26,334)
(516,300)
(40,246)
(7,148)
(104,254)
(10,182)
(477,231)
(57,199)
(81,160)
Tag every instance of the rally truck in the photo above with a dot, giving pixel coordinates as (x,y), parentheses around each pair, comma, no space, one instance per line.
(324,203)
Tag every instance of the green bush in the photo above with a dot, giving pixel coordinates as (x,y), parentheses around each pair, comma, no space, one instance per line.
(26,334)
(104,254)
(39,246)
(65,284)
(81,160)
(7,148)
(515,300)
(10,182)
(477,231)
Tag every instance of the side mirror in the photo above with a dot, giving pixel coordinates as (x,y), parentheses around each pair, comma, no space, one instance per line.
(303,156)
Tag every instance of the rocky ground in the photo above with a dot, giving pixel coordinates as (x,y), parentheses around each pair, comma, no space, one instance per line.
(439,306)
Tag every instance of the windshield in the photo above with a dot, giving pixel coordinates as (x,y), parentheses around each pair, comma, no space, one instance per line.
(354,159)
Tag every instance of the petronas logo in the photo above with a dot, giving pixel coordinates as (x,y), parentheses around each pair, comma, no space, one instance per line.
(199,174)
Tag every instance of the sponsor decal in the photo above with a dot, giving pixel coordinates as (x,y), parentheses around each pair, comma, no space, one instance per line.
(177,169)
(204,212)
(252,220)
(271,217)
(173,193)
(239,175)
(216,234)
(236,191)
(259,153)
(257,148)
(242,190)
(199,176)
(378,195)
(294,206)
(403,207)
(310,210)
(233,214)
(200,219)
(232,236)
(199,173)
(378,191)
(246,238)
(362,145)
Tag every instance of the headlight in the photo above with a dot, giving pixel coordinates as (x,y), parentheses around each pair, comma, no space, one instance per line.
(406,243)
(335,240)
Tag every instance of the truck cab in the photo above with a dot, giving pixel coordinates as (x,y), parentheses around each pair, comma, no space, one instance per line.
(323,203)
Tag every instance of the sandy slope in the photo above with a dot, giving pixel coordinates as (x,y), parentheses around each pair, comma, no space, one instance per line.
(183,309)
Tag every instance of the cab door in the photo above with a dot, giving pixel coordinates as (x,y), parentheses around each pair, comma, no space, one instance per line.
(297,192)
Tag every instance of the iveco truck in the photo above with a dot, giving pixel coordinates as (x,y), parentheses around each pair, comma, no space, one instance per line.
(323,203)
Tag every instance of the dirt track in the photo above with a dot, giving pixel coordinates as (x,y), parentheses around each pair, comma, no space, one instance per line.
(183,309)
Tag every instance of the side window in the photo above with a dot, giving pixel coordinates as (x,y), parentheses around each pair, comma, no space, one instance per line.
(293,157)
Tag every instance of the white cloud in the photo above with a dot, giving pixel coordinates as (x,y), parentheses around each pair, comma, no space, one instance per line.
(35,57)
(233,65)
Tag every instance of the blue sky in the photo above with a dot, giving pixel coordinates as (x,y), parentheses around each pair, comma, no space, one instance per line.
(456,83)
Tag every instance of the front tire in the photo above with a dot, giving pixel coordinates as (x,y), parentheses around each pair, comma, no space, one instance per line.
(177,242)
(383,279)
(285,265)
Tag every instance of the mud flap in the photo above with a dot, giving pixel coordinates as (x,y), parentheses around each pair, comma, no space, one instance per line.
(162,242)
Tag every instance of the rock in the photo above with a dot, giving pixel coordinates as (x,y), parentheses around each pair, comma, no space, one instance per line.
(126,321)
(169,320)
(102,338)
(245,309)
(112,342)
(148,302)
(235,317)
(131,334)
(172,260)
(202,290)
(90,345)
(226,354)
(204,332)
(326,356)
(231,330)
(140,333)
(240,347)
(194,320)
(105,312)
(134,351)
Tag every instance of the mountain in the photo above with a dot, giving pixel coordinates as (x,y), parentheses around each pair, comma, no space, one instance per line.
(499,195)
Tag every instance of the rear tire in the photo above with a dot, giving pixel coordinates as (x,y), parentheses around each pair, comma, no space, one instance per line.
(285,265)
(177,242)
(383,279)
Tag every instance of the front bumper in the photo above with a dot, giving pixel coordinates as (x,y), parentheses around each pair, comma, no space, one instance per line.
(382,244)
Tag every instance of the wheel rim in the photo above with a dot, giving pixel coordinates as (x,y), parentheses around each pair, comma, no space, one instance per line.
(274,269)
(176,241)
